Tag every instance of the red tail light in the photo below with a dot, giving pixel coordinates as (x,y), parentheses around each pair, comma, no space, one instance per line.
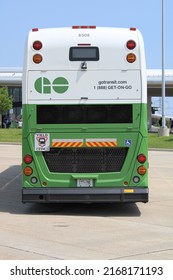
(131,44)
(37,45)
(141,158)
(28,159)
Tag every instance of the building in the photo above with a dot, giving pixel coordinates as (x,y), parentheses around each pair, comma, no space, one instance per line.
(154,89)
(12,78)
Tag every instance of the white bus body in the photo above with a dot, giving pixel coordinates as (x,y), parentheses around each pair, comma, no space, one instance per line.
(109,79)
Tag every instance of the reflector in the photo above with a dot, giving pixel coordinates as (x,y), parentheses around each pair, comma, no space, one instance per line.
(128,190)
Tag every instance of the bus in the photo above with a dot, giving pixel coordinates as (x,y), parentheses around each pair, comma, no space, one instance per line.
(84,116)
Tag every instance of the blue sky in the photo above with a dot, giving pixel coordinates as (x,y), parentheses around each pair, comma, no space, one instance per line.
(19,16)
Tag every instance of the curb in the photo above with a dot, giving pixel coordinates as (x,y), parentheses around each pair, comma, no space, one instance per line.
(160,149)
(10,143)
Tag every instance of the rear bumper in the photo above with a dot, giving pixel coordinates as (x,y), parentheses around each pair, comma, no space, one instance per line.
(84,195)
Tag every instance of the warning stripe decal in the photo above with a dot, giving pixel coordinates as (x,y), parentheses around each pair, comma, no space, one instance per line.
(101,144)
(66,143)
(110,142)
(69,143)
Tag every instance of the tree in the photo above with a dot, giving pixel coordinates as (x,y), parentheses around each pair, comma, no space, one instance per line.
(6,101)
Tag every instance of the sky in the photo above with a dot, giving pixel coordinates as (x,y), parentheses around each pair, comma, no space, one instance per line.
(17,17)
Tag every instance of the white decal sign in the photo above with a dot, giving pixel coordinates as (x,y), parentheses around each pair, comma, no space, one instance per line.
(42,142)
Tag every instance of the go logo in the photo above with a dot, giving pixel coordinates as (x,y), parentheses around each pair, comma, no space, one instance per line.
(43,85)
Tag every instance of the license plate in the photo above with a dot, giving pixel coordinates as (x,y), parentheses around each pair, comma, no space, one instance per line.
(85,183)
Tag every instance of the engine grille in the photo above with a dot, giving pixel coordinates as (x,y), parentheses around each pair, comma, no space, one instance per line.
(85,160)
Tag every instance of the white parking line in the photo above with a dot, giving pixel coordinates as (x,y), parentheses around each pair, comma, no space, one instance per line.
(9,182)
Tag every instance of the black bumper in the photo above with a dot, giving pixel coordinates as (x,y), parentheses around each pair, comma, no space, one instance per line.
(85,195)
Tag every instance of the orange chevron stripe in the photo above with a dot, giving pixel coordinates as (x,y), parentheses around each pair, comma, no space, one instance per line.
(101,144)
(80,144)
(69,144)
(63,144)
(90,144)
(55,144)
(112,144)
(66,144)
(104,144)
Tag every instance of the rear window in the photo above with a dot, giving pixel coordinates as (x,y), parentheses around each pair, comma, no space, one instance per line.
(79,114)
(84,54)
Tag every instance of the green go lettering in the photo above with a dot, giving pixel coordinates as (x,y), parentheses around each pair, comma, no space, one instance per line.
(43,85)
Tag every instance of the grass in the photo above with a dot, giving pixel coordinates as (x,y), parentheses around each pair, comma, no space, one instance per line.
(14,135)
(164,142)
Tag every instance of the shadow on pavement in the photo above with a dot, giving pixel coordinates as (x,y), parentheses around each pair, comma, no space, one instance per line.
(10,202)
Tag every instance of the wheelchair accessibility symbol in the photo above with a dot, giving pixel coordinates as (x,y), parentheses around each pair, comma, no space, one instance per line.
(128,142)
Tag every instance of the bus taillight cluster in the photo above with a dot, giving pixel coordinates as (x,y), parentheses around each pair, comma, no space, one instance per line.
(141,158)
(131,57)
(28,160)
(37,58)
(28,171)
(141,169)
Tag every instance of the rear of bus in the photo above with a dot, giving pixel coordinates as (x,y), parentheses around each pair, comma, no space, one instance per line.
(85,116)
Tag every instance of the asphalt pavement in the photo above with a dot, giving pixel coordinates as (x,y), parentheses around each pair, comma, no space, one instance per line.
(86,231)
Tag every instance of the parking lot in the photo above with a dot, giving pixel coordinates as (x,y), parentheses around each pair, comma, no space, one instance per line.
(86,231)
